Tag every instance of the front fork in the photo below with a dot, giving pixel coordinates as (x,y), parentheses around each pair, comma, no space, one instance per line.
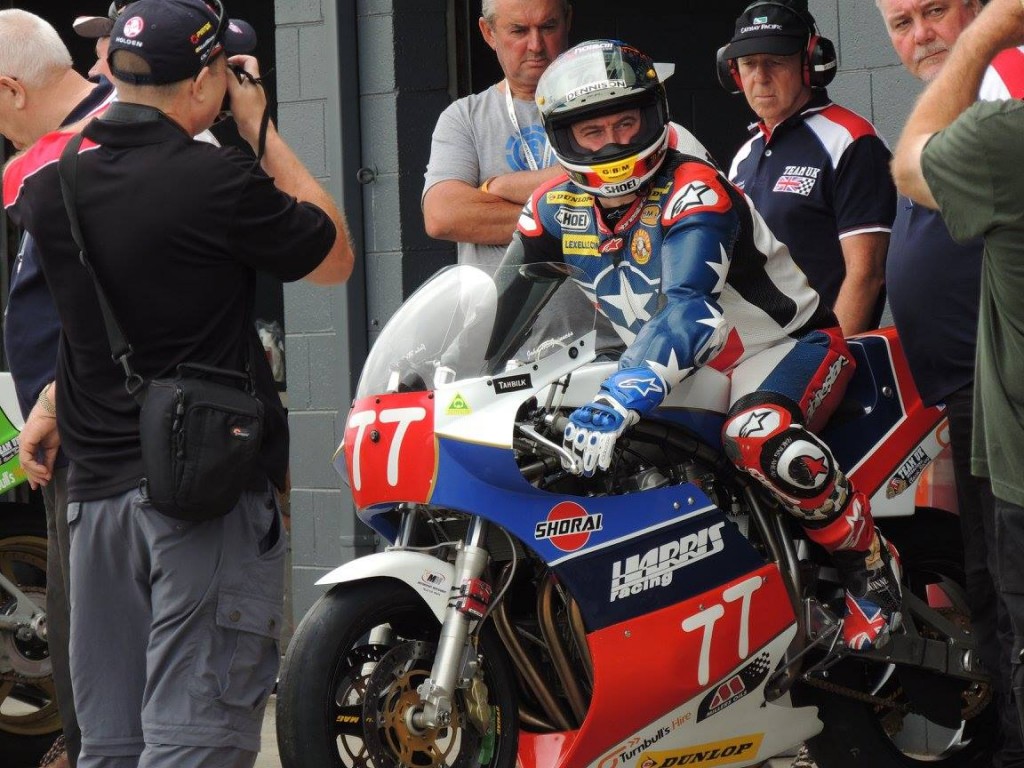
(456,659)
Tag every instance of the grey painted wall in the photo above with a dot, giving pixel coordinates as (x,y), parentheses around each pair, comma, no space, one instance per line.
(360,84)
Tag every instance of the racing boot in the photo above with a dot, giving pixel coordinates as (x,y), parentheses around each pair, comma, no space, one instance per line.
(869,569)
(873,593)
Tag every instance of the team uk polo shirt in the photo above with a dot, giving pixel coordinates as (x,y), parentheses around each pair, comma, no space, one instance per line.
(820,176)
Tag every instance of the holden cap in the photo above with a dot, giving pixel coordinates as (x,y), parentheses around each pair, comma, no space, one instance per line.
(768,28)
(177,38)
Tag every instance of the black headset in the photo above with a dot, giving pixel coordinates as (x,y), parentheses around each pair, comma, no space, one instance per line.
(819,55)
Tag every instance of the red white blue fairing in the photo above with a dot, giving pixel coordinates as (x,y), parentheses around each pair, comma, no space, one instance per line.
(674,596)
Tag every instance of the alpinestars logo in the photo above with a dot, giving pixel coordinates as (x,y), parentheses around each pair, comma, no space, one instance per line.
(826,386)
(760,423)
(736,687)
(655,567)
(694,195)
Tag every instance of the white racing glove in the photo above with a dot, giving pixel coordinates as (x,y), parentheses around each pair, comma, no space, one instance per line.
(625,396)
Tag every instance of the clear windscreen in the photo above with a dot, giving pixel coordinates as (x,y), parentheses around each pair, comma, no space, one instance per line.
(470,321)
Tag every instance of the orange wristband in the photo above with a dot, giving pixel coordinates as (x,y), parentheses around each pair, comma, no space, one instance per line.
(485,187)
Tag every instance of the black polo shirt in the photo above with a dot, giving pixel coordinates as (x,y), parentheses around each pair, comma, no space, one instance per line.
(821,175)
(175,229)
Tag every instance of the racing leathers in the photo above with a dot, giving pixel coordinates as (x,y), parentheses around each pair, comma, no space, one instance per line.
(689,275)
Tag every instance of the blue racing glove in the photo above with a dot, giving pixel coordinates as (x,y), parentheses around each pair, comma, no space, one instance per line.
(625,396)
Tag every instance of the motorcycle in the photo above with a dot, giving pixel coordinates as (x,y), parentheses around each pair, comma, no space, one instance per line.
(29,718)
(665,613)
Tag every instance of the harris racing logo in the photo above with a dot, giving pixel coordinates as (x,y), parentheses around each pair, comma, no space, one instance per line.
(654,568)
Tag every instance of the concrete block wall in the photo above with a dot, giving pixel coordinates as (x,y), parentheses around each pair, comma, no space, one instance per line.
(325,327)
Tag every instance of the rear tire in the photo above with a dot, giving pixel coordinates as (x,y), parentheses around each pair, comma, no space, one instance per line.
(860,735)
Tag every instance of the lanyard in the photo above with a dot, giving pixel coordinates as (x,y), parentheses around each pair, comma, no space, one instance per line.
(527,151)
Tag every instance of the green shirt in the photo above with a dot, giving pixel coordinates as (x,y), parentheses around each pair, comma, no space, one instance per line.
(975,170)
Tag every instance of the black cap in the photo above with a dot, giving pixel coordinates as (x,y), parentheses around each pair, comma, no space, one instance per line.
(177,38)
(769,28)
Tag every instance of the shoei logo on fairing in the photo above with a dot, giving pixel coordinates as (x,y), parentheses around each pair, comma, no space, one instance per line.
(639,573)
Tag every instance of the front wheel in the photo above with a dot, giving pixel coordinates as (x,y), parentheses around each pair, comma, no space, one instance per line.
(348,687)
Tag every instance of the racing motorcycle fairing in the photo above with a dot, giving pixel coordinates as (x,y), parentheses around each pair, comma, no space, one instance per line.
(735,633)
(428,576)
(884,436)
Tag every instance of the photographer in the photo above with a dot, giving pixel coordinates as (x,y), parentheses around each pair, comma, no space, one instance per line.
(175,230)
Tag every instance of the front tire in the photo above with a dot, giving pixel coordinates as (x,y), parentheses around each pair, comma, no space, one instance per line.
(350,677)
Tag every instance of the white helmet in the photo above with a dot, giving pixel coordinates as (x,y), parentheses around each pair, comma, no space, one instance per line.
(597,78)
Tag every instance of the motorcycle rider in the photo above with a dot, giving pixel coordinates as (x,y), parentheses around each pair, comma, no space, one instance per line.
(689,275)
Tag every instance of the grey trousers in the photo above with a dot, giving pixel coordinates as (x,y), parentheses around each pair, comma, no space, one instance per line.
(174,631)
(58,619)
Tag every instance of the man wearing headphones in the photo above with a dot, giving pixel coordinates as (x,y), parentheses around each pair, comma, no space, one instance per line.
(817,172)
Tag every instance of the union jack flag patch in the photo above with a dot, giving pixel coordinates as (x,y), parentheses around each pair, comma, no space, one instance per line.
(800,185)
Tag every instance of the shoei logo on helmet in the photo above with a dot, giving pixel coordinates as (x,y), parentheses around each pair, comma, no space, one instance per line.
(611,190)
(133,27)
(616,171)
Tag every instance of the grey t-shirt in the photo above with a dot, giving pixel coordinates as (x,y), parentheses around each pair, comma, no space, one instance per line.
(474,140)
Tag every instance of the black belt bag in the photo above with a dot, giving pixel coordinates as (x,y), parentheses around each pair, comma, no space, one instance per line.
(201,431)
(201,441)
